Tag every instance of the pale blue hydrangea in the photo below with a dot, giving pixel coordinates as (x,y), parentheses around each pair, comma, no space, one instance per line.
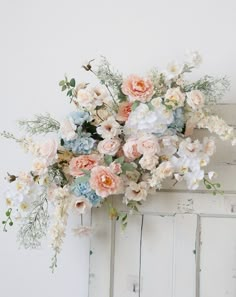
(80,117)
(84,189)
(178,123)
(81,145)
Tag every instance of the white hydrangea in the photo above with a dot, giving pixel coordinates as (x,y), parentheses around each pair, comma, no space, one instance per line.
(143,119)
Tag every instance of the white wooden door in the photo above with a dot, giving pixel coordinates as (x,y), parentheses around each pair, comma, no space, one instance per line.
(182,244)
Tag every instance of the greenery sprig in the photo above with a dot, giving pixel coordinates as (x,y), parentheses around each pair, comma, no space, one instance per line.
(215,187)
(8,221)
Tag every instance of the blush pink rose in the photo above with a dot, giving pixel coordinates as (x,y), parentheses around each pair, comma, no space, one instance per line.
(86,162)
(124,111)
(130,149)
(109,146)
(104,181)
(148,145)
(138,88)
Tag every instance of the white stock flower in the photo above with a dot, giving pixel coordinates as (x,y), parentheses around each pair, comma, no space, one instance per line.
(136,191)
(209,146)
(193,58)
(109,128)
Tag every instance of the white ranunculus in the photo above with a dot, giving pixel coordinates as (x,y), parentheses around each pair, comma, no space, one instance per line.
(109,128)
(136,191)
(195,99)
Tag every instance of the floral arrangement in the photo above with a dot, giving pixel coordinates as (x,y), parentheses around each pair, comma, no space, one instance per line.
(124,138)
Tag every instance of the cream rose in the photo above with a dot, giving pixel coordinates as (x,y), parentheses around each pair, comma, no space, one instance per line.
(195,99)
(149,162)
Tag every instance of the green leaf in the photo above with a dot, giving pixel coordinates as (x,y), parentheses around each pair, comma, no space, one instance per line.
(127,167)
(208,187)
(86,172)
(135,105)
(120,160)
(83,179)
(3,222)
(11,224)
(8,213)
(108,159)
(63,88)
(72,82)
(61,83)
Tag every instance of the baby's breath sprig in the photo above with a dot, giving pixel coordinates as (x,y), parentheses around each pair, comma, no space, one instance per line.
(40,124)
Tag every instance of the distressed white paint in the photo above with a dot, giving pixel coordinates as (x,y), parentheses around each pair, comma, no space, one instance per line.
(182,244)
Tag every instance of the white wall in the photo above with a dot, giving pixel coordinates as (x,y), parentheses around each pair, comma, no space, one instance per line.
(41,40)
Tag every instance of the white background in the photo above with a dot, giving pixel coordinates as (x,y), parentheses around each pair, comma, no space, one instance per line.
(41,40)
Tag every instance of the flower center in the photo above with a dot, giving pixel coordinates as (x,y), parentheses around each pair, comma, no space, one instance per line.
(106,180)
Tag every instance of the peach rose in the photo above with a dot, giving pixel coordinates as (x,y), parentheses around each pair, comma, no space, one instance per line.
(109,146)
(104,181)
(130,149)
(86,162)
(148,145)
(124,111)
(137,88)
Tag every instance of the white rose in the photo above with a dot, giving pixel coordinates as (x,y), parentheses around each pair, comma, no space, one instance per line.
(149,163)
(174,98)
(109,146)
(148,145)
(67,129)
(195,99)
